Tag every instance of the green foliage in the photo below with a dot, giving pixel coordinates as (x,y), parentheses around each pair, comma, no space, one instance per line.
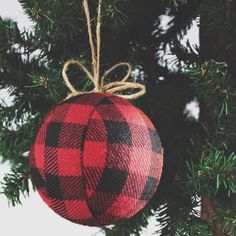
(133,226)
(177,3)
(181,219)
(16,184)
(215,172)
(215,90)
(227,215)
(214,86)
(114,10)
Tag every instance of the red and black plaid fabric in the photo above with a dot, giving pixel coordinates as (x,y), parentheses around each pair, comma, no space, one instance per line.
(96,159)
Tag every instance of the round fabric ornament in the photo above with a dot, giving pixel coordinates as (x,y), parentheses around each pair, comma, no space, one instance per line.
(96,159)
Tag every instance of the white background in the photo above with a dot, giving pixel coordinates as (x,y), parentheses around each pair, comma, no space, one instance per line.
(33,217)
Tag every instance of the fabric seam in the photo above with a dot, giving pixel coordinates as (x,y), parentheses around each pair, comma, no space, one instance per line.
(82,156)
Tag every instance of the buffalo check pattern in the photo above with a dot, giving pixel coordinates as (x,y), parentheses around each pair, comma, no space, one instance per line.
(96,159)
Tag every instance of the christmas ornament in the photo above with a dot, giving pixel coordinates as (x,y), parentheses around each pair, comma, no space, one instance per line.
(96,158)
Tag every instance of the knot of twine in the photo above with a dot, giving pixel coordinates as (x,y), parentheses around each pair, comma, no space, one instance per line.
(98,81)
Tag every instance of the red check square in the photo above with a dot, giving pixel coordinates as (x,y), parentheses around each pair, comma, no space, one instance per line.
(156,166)
(121,206)
(39,150)
(134,185)
(137,156)
(40,139)
(69,162)
(94,154)
(96,116)
(78,114)
(130,113)
(141,138)
(77,210)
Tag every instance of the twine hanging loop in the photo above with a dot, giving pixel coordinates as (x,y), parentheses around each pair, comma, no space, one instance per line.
(99,81)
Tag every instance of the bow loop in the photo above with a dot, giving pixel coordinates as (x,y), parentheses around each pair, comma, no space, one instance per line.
(114,68)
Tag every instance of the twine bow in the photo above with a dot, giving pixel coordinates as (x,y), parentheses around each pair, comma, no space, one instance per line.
(99,86)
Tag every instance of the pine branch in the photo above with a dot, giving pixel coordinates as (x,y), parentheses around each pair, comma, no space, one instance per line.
(225,211)
(180,216)
(177,3)
(15,184)
(212,84)
(214,173)
(132,226)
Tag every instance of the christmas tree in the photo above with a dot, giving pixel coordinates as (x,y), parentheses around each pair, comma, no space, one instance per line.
(196,194)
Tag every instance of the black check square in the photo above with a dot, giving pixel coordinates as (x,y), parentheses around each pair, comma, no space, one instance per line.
(53,134)
(72,135)
(118,132)
(53,186)
(37,178)
(112,181)
(154,141)
(149,188)
(71,187)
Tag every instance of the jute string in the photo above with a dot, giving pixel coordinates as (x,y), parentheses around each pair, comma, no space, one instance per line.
(116,87)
